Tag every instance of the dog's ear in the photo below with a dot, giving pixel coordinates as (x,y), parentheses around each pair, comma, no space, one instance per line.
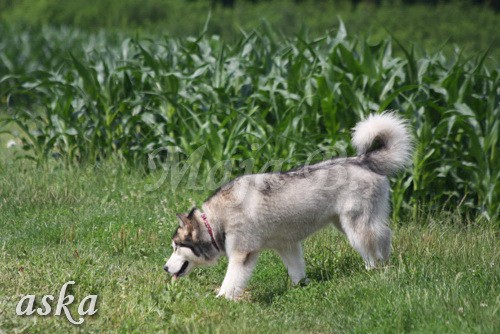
(183,220)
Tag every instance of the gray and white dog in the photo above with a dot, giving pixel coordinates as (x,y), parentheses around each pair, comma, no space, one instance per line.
(278,210)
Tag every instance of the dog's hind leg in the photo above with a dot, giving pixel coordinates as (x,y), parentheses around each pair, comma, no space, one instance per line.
(293,259)
(370,236)
(239,270)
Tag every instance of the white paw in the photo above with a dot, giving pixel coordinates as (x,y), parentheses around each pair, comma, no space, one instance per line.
(220,293)
(230,294)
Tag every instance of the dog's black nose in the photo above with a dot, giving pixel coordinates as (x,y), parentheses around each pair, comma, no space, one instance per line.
(165,268)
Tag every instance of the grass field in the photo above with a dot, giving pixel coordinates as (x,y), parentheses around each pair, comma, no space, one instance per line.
(101,228)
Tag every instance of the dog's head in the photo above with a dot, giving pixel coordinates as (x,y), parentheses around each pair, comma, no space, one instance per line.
(191,247)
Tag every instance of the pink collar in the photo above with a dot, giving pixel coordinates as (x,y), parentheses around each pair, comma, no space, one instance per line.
(205,220)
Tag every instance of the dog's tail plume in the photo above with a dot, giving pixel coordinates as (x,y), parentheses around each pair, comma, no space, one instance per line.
(384,140)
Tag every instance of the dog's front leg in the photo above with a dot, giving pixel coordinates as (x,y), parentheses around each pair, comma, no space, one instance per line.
(239,270)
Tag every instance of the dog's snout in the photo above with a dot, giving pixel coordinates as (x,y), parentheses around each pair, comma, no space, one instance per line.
(165,268)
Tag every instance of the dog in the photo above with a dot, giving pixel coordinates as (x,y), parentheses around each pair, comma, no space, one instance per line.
(278,210)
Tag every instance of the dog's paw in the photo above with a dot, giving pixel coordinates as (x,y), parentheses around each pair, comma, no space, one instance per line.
(304,282)
(228,294)
(221,292)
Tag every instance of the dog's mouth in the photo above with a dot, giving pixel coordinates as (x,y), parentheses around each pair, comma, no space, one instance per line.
(182,271)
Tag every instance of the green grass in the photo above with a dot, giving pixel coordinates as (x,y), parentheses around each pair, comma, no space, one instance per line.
(101,228)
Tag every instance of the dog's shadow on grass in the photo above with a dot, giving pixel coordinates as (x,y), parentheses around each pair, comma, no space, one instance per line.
(322,269)
(335,267)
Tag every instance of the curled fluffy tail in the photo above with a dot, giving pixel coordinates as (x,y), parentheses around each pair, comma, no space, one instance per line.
(385,142)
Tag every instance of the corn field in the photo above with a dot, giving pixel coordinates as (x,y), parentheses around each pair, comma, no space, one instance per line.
(73,98)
